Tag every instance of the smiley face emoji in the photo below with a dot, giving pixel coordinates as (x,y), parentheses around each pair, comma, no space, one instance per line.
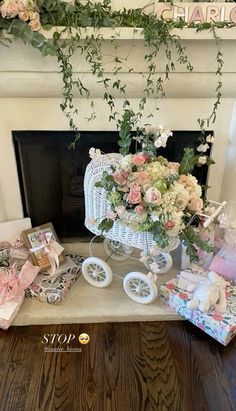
(84,338)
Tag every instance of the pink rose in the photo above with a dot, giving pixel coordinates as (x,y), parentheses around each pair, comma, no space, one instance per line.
(22,6)
(111,215)
(120,177)
(34,16)
(24,16)
(169,225)
(173,166)
(152,196)
(139,209)
(143,177)
(183,179)
(134,196)
(195,205)
(139,159)
(138,178)
(9,10)
(35,25)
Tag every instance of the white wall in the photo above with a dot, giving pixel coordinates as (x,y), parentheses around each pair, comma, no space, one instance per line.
(228,189)
(45,114)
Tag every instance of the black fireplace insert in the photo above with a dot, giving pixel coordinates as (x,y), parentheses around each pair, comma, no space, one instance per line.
(51,176)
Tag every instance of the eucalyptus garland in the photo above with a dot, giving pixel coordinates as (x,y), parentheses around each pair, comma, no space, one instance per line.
(157,35)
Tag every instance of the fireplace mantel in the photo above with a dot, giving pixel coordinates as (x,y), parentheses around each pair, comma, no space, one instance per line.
(25,73)
(130,33)
(31,87)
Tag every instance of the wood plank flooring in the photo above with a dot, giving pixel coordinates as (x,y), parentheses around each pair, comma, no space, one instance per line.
(151,366)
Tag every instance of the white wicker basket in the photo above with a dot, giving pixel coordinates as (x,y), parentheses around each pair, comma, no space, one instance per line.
(96,207)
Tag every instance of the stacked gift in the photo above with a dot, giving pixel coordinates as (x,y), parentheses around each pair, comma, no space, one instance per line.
(23,256)
(220,324)
(53,289)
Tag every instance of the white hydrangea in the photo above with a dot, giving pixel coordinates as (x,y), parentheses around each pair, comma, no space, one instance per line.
(210,139)
(95,153)
(202,160)
(125,163)
(202,148)
(181,196)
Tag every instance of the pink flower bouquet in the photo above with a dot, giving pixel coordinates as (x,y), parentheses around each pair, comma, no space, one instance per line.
(149,193)
(25,10)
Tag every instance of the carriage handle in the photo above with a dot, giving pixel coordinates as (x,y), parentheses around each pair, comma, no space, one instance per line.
(209,219)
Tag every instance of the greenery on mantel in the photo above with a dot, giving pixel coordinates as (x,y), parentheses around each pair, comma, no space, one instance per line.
(157,35)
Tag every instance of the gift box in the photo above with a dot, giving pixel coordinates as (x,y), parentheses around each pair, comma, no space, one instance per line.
(12,290)
(222,327)
(44,247)
(53,289)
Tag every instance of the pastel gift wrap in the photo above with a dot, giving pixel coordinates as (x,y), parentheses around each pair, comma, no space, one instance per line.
(222,327)
(13,252)
(12,291)
(224,263)
(53,289)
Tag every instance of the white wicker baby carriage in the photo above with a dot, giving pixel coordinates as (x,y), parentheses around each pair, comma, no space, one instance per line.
(119,241)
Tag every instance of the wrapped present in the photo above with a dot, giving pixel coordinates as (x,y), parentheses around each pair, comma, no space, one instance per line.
(45,249)
(13,252)
(221,327)
(4,258)
(12,290)
(53,289)
(224,263)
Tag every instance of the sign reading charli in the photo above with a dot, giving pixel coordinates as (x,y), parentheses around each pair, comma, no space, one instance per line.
(197,12)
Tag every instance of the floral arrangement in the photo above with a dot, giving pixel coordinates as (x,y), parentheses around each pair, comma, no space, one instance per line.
(25,10)
(149,193)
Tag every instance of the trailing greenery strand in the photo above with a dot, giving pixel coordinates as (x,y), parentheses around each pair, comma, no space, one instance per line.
(157,37)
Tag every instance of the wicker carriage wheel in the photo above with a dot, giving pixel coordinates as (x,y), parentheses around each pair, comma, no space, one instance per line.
(164,260)
(97,272)
(140,288)
(116,250)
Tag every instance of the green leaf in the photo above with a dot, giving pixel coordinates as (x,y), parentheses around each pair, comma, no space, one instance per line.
(159,234)
(188,161)
(56,36)
(106,224)
(193,242)
(47,26)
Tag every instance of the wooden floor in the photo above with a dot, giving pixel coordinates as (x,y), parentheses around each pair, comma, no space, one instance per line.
(125,367)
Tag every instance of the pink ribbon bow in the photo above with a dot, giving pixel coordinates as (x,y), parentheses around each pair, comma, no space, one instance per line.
(12,285)
(47,244)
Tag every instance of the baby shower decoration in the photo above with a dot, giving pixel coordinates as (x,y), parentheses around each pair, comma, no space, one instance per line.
(60,29)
